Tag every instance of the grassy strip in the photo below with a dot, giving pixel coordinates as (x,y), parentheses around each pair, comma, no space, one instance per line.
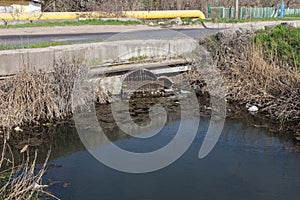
(35,45)
(43,45)
(74,23)
(227,20)
(131,22)
(294,15)
(282,44)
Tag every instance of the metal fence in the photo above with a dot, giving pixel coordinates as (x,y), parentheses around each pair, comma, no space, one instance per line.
(248,13)
(292,11)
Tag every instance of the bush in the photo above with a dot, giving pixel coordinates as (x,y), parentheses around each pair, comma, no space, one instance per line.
(281,44)
(30,97)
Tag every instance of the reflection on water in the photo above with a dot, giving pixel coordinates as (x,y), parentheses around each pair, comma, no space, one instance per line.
(245,164)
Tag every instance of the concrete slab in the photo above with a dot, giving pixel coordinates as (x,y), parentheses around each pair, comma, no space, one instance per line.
(12,61)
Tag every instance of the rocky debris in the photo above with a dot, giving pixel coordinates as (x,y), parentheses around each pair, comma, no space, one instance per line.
(289,24)
(229,48)
(177,21)
(102,95)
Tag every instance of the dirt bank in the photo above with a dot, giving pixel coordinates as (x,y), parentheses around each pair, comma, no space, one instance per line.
(252,80)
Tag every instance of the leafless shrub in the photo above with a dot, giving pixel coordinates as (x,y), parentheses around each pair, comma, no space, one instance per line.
(117,6)
(26,98)
(32,97)
(64,76)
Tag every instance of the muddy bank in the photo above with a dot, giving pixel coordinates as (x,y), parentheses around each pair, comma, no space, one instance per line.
(41,136)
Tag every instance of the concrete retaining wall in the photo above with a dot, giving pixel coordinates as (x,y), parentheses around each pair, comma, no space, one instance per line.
(11,61)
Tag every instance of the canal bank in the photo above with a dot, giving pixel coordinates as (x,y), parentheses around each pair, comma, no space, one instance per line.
(250,185)
(113,53)
(252,160)
(261,69)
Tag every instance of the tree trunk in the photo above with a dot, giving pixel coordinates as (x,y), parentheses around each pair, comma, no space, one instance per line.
(236,9)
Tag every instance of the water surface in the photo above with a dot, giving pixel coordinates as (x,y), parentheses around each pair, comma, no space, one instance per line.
(246,164)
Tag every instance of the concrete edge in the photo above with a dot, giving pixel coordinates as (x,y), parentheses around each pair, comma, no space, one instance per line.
(92,54)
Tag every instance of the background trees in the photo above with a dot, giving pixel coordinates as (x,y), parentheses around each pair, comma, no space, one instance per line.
(123,5)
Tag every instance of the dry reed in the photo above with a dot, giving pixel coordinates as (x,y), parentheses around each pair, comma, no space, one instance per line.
(35,96)
(251,79)
(23,181)
(274,89)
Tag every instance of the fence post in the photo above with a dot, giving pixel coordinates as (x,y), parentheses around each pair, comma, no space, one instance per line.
(223,12)
(236,9)
(282,9)
(241,13)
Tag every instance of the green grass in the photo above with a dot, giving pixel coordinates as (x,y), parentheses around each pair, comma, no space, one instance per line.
(294,16)
(74,23)
(281,44)
(227,20)
(139,58)
(31,46)
(43,44)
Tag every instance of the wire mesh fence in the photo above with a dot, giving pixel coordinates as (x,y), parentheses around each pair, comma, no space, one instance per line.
(248,13)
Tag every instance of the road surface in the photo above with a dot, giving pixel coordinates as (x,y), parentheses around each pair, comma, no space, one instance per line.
(96,33)
(15,38)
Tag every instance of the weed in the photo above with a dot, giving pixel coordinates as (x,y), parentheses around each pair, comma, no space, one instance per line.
(34,45)
(280,44)
(139,58)
(74,23)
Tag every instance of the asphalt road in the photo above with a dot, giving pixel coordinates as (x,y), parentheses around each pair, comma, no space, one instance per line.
(16,40)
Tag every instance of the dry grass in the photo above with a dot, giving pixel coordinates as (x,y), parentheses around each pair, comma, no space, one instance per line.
(27,97)
(252,79)
(23,181)
(30,97)
(275,90)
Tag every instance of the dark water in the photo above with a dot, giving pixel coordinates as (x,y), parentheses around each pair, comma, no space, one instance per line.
(245,164)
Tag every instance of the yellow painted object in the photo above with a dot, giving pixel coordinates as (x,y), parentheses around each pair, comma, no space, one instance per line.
(77,15)
(166,14)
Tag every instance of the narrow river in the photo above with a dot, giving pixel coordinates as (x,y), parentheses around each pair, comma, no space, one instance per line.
(247,163)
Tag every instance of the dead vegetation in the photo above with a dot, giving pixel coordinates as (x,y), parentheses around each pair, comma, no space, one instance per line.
(23,180)
(275,90)
(31,97)
(113,6)
(252,80)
